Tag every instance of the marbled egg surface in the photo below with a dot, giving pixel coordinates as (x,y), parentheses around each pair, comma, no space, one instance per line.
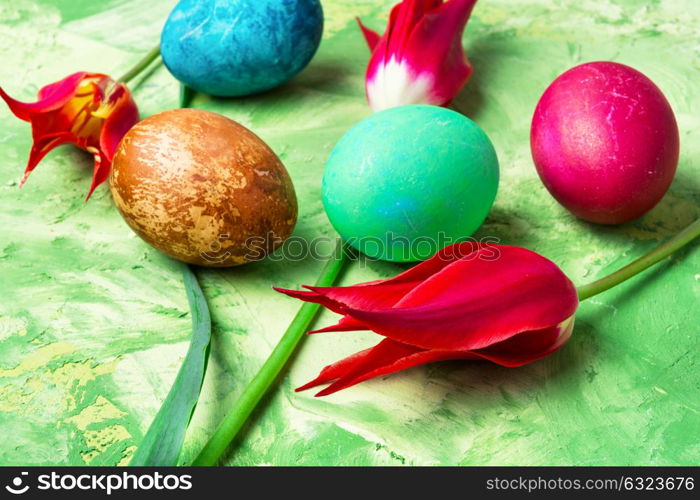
(202,188)
(605,142)
(240,47)
(408,181)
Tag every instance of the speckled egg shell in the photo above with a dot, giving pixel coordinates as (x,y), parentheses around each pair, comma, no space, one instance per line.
(202,188)
(240,47)
(405,182)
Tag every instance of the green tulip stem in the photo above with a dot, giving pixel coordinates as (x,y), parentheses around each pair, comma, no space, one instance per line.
(261,383)
(659,253)
(141,65)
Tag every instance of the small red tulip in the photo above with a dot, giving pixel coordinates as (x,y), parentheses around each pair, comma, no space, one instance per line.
(420,58)
(498,303)
(89,110)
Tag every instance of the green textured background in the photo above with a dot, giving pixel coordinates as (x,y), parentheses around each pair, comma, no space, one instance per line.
(94,324)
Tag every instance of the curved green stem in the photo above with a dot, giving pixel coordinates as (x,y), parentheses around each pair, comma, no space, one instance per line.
(141,65)
(659,253)
(258,387)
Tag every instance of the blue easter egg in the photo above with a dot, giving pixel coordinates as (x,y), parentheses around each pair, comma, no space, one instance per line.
(240,47)
(408,181)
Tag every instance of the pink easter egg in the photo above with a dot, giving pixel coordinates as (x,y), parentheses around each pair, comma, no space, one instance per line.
(605,142)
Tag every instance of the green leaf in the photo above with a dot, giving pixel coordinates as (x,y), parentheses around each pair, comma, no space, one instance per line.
(162,443)
(236,418)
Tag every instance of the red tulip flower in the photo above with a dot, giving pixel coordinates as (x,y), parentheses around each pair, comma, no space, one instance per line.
(502,304)
(420,58)
(89,110)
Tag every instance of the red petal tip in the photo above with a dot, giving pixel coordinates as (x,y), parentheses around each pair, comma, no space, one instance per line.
(346,324)
(51,97)
(326,392)
(297,294)
(307,386)
(371,37)
(100,171)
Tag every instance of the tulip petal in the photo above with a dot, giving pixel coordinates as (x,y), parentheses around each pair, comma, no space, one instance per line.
(404,18)
(346,324)
(529,346)
(89,110)
(420,58)
(100,171)
(440,32)
(382,294)
(473,303)
(371,296)
(386,357)
(51,97)
(371,36)
(308,296)
(390,356)
(41,148)
(337,369)
(120,119)
(124,116)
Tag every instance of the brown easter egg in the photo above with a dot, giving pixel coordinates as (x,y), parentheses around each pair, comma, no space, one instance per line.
(202,188)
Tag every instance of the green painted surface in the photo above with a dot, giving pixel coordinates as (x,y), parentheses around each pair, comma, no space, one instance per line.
(94,324)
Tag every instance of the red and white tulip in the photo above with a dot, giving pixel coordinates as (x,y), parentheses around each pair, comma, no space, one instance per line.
(420,58)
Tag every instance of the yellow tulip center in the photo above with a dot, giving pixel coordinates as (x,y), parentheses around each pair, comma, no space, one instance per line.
(87,110)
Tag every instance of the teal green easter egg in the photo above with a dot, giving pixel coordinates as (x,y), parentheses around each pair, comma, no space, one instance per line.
(408,181)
